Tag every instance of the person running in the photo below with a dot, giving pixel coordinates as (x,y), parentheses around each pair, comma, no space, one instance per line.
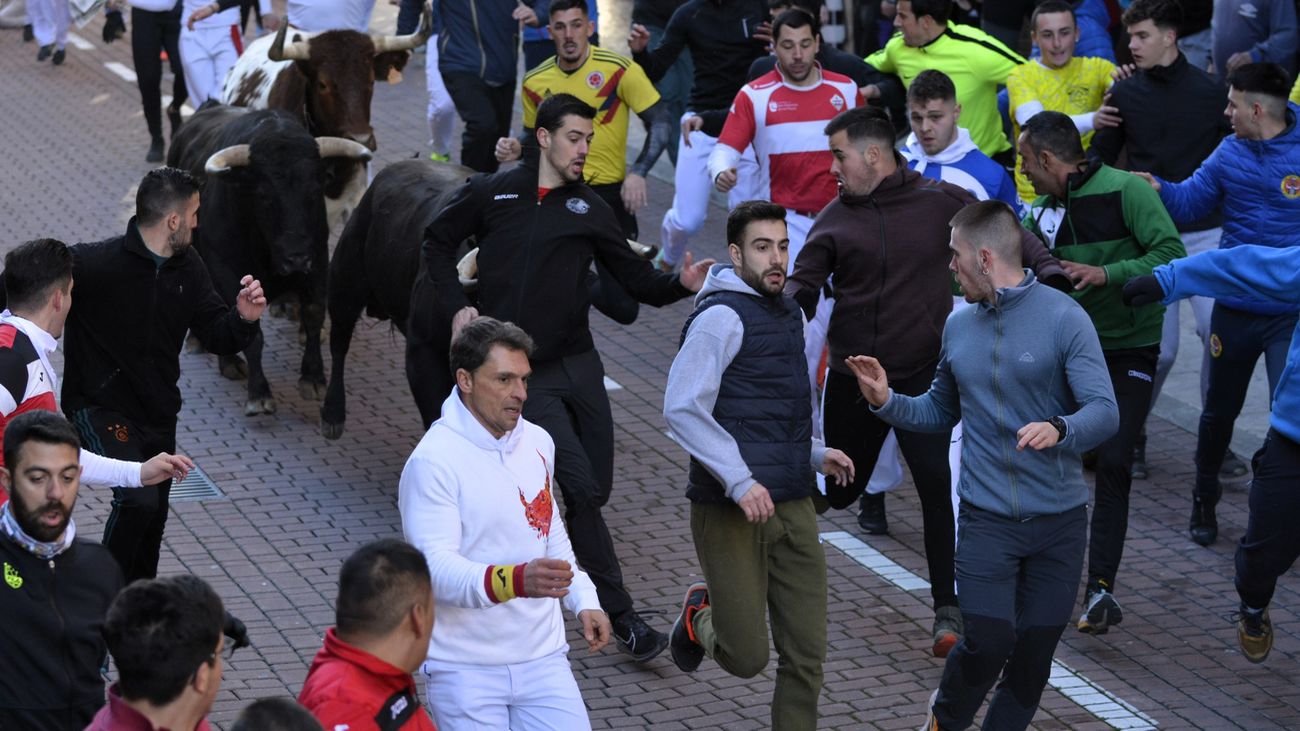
(210,44)
(1170,120)
(1253,176)
(539,228)
(1023,369)
(735,400)
(976,62)
(1105,225)
(1271,544)
(1059,80)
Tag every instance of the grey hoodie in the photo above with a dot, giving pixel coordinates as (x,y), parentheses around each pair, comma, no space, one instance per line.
(1031,355)
(711,343)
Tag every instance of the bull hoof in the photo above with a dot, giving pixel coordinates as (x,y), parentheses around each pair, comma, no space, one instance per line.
(235,369)
(311,391)
(331,431)
(256,407)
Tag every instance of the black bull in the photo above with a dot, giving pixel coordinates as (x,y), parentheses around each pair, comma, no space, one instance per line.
(262,213)
(377,269)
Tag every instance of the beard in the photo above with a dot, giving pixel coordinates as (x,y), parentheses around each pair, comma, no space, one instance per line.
(758,281)
(179,240)
(29,520)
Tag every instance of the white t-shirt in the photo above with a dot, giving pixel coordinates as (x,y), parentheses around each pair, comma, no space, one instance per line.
(318,16)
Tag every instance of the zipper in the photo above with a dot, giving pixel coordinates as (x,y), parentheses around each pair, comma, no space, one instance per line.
(478,39)
(63,633)
(153,311)
(884,272)
(528,254)
(997,391)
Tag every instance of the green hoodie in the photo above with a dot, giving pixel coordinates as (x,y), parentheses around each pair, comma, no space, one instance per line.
(1114,220)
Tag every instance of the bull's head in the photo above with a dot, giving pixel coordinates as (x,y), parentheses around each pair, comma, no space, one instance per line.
(340,68)
(283,188)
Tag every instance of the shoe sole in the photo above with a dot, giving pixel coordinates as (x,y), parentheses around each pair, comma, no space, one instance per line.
(692,661)
(1090,627)
(1242,638)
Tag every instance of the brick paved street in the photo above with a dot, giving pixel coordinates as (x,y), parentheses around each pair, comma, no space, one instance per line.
(295,504)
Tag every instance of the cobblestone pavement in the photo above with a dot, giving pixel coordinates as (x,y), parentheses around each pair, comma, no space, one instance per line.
(295,505)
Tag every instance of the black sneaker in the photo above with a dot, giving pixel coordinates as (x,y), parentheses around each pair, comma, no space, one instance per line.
(155,153)
(59,55)
(871,514)
(637,638)
(1232,466)
(686,650)
(1254,633)
(1139,470)
(1204,524)
(28,34)
(44,52)
(1101,611)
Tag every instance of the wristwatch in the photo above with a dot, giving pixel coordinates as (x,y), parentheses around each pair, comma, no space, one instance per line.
(1061,429)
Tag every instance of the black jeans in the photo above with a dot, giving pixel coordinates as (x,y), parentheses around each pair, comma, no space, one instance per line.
(1271,543)
(152,33)
(1132,375)
(852,428)
(1016,581)
(1237,339)
(134,531)
(486,111)
(566,397)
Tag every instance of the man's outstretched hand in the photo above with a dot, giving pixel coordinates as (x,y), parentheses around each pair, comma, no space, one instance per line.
(1143,290)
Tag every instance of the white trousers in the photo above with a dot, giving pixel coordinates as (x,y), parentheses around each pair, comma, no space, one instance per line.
(692,186)
(540,695)
(50,19)
(442,113)
(207,55)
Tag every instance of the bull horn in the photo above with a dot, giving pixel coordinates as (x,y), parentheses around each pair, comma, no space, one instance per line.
(385,43)
(221,161)
(467,270)
(297,51)
(342,147)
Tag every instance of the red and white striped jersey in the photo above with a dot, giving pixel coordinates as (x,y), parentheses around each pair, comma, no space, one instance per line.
(785,125)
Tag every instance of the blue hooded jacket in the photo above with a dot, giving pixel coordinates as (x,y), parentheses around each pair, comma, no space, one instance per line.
(1254,274)
(1258,184)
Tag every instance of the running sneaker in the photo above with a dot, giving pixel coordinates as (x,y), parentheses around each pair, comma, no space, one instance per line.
(931,723)
(1204,525)
(948,629)
(1101,611)
(637,638)
(1139,470)
(1233,466)
(686,649)
(872,518)
(1254,633)
(439,157)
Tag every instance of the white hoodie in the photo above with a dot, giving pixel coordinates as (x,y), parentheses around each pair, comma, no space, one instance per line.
(468,501)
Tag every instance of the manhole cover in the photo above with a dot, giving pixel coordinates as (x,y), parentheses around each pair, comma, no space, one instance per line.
(196,487)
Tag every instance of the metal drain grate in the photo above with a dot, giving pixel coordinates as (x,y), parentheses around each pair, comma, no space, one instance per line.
(196,487)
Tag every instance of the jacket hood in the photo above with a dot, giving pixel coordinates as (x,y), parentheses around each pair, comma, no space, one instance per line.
(953,153)
(457,417)
(723,278)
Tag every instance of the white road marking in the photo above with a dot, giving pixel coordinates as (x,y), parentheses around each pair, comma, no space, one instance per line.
(79,43)
(121,70)
(612,385)
(100,99)
(1091,697)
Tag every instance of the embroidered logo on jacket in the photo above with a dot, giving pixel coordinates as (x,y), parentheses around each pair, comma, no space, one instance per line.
(1291,186)
(577,205)
(12,578)
(538,511)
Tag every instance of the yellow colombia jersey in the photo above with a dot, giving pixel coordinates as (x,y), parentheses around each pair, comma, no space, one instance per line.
(1075,88)
(610,83)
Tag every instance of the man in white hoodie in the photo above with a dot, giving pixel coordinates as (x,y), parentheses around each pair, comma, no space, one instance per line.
(738,401)
(476,499)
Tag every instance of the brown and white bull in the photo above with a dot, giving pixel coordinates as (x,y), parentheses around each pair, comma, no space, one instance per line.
(326,80)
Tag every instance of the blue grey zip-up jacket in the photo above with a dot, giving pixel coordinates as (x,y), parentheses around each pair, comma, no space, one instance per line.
(479,37)
(1031,355)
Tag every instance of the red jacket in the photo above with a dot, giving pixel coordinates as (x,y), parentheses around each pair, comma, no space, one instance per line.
(348,688)
(118,716)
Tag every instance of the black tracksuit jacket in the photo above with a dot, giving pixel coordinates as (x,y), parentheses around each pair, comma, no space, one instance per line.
(719,35)
(1171,120)
(51,647)
(123,339)
(534,257)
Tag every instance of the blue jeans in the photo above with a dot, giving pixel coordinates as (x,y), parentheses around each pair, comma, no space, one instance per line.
(1016,582)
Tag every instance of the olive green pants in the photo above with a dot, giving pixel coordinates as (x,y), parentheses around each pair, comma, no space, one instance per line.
(776,568)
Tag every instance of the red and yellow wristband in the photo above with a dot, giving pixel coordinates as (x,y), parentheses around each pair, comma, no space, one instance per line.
(504,583)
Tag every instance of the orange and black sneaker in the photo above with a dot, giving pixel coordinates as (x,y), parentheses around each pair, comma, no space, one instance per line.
(1254,633)
(686,649)
(1100,612)
(931,723)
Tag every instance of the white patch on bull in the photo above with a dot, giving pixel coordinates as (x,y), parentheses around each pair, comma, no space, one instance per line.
(256,58)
